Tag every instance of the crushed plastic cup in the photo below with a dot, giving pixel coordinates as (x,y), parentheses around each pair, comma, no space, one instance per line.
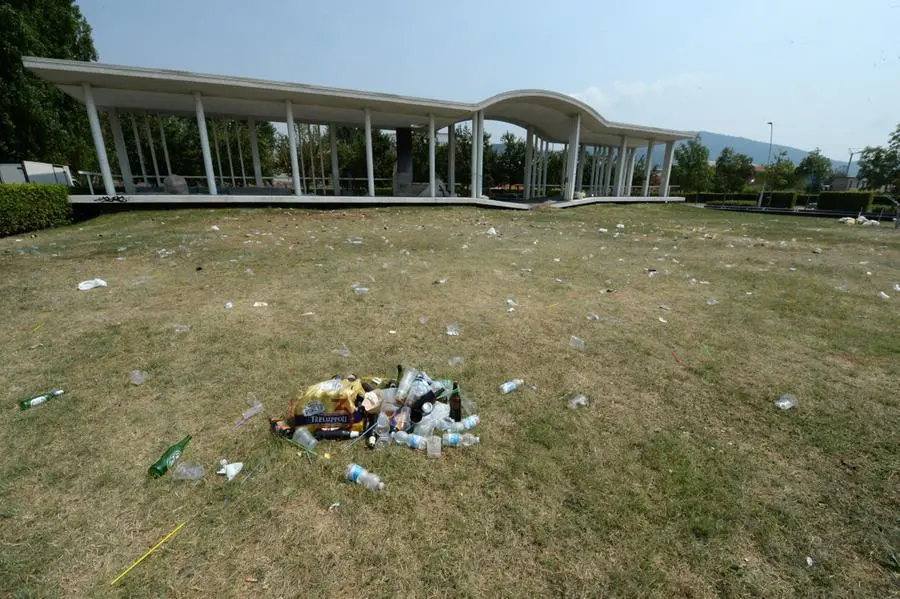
(593,316)
(578,401)
(712,301)
(786,402)
(230,470)
(576,342)
(186,471)
(137,377)
(182,328)
(620,226)
(343,352)
(453,330)
(229,305)
(455,361)
(492,232)
(249,413)
(91,284)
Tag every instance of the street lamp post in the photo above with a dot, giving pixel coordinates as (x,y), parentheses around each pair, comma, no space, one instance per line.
(768,164)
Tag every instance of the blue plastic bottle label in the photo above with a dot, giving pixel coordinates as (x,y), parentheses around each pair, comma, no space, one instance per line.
(355,472)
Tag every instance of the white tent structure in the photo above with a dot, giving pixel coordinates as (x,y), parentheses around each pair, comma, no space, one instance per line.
(547,117)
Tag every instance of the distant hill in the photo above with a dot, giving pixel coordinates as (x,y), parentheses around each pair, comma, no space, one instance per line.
(757,150)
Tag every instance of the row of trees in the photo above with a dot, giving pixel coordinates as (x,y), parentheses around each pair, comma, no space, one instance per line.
(732,171)
(880,165)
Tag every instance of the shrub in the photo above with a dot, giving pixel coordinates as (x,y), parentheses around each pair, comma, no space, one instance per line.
(748,203)
(780,199)
(803,199)
(845,201)
(880,201)
(30,206)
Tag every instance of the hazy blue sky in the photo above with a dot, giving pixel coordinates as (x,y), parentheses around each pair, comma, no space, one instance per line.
(827,72)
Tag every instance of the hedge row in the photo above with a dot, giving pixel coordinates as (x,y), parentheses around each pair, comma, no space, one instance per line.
(31,206)
(846,201)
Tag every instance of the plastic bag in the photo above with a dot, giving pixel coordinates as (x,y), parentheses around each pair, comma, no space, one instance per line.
(335,403)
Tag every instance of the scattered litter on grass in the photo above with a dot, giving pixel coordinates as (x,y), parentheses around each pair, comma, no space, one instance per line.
(453,330)
(492,232)
(441,282)
(510,386)
(712,301)
(456,361)
(786,402)
(249,272)
(229,305)
(35,346)
(896,286)
(342,352)
(392,332)
(359,290)
(182,328)
(40,399)
(593,316)
(576,343)
(652,272)
(602,230)
(91,284)
(334,506)
(665,307)
(883,295)
(214,228)
(308,314)
(186,471)
(137,377)
(260,304)
(663,320)
(809,561)
(355,240)
(423,320)
(230,470)
(817,251)
(577,402)
(620,226)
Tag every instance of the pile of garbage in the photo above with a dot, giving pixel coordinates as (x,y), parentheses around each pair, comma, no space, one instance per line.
(859,220)
(412,410)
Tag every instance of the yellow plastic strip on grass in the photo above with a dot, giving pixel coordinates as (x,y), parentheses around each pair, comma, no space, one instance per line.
(140,559)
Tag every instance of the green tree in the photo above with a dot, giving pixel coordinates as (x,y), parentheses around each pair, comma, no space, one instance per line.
(691,170)
(781,174)
(37,121)
(815,170)
(733,171)
(510,163)
(879,166)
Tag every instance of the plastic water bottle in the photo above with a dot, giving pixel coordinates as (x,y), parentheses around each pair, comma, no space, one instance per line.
(457,440)
(36,401)
(382,431)
(467,423)
(510,386)
(405,383)
(410,440)
(359,475)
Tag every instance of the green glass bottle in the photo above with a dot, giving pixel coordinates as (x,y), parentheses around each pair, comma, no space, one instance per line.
(36,401)
(168,459)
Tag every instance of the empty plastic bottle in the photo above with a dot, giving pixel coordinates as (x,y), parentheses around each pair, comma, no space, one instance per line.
(410,440)
(457,440)
(405,383)
(359,475)
(382,431)
(36,401)
(467,423)
(510,386)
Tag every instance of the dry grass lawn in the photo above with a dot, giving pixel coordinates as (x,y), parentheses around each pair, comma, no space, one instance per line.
(681,479)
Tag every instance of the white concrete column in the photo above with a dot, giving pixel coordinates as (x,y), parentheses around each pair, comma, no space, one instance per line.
(140,152)
(544,168)
(292,140)
(99,145)
(165,147)
(621,167)
(121,150)
(667,170)
(480,153)
(648,168)
(607,171)
(432,177)
(254,153)
(474,168)
(537,161)
(594,169)
(529,174)
(335,170)
(579,172)
(451,159)
(149,135)
(215,129)
(304,186)
(572,164)
(370,162)
(629,174)
(241,158)
(204,145)
(228,153)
